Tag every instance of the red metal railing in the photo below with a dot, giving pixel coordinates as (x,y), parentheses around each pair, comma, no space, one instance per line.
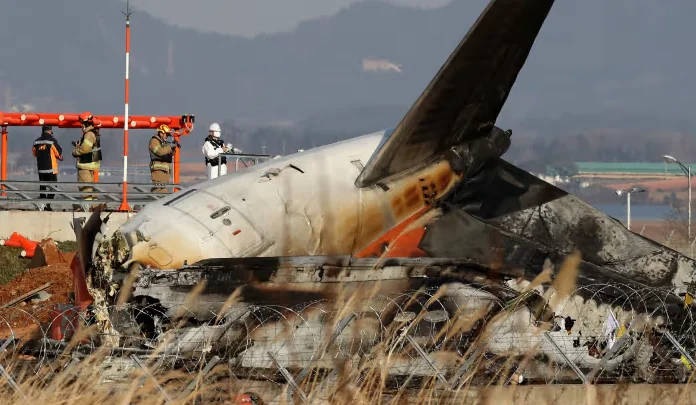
(181,126)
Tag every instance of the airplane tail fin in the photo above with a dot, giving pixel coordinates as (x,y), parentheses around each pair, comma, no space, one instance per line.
(463,100)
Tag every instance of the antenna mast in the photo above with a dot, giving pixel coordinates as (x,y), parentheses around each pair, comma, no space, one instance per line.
(124,202)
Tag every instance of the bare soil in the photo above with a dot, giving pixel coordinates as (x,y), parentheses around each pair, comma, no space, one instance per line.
(52,266)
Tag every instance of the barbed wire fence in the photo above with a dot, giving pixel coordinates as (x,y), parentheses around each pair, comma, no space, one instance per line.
(412,339)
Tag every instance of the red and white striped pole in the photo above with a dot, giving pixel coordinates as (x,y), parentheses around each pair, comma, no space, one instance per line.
(124,202)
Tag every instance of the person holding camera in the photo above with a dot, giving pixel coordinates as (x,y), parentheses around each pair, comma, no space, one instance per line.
(212,148)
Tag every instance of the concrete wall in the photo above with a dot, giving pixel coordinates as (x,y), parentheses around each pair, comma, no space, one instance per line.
(37,225)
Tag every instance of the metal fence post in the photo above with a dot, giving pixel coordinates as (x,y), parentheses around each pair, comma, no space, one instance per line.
(440,376)
(3,157)
(288,377)
(569,362)
(147,373)
(219,163)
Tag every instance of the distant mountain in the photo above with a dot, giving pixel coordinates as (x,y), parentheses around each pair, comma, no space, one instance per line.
(351,73)
(71,55)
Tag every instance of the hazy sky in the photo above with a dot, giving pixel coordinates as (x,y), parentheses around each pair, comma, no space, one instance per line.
(252,17)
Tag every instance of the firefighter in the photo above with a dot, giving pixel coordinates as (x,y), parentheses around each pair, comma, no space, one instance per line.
(161,156)
(212,148)
(47,152)
(87,153)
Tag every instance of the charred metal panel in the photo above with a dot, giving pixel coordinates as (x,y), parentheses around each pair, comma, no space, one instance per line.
(501,188)
(503,210)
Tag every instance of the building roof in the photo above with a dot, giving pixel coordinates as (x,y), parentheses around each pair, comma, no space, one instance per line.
(630,168)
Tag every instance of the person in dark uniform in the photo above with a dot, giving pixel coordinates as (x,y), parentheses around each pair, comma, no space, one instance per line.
(47,152)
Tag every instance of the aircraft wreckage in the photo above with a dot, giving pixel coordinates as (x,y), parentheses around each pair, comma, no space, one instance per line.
(434,205)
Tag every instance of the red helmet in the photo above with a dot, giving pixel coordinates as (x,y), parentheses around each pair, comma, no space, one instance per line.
(86,116)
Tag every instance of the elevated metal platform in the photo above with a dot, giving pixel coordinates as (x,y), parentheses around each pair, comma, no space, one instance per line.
(25,195)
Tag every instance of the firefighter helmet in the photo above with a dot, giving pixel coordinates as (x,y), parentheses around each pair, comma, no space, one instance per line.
(164,128)
(86,117)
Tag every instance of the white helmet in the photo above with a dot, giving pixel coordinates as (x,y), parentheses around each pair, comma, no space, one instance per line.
(215,129)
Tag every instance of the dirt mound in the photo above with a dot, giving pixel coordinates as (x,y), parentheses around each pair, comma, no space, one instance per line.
(47,254)
(50,266)
(61,279)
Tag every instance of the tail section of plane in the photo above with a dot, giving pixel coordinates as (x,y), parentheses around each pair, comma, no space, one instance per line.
(463,100)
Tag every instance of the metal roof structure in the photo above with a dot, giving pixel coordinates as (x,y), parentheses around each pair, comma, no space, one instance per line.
(630,168)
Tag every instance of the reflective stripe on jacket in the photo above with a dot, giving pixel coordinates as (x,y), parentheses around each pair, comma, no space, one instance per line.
(88,151)
(47,152)
(161,154)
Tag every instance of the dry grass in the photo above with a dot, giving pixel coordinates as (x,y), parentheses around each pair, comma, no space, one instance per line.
(365,382)
(12,264)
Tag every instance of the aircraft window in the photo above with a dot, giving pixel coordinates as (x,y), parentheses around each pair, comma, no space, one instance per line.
(358,165)
(220,212)
(383,186)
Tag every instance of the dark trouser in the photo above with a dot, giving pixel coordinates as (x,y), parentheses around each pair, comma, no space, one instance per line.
(47,177)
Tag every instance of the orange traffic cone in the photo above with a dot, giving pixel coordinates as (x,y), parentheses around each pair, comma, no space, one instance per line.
(13,241)
(17,240)
(28,246)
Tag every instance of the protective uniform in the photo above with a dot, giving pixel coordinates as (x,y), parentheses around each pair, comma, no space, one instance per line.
(212,147)
(88,154)
(47,152)
(161,156)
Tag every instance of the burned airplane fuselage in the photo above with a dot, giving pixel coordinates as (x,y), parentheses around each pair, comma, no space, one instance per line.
(304,204)
(433,191)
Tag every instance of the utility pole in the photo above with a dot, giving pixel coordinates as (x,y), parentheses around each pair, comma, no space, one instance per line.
(628,211)
(124,202)
(628,192)
(689,174)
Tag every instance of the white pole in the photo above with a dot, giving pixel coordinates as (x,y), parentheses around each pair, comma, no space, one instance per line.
(689,174)
(124,200)
(628,210)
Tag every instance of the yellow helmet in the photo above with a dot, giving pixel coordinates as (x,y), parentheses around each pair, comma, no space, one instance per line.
(164,128)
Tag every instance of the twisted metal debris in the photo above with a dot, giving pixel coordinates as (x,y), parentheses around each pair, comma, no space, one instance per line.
(430,336)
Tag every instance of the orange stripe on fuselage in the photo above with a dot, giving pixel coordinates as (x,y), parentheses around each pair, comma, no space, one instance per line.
(398,243)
